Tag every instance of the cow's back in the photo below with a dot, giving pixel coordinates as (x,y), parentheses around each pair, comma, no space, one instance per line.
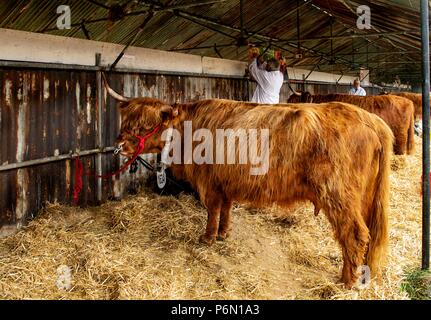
(397,112)
(416,98)
(301,137)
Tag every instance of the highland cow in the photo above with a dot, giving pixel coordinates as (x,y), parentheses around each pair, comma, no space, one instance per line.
(335,155)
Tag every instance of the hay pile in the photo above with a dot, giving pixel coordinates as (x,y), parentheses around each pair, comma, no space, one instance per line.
(146,247)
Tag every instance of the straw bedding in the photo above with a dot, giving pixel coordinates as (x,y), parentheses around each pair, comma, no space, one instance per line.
(146,247)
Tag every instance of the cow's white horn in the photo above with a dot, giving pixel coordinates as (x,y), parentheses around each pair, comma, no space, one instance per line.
(112,93)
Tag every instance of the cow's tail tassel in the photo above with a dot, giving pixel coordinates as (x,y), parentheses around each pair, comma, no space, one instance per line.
(79,169)
(378,215)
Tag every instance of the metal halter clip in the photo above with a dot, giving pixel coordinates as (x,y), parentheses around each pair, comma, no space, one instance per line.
(161,177)
(118,149)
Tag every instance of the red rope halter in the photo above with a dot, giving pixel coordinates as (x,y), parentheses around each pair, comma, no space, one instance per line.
(79,167)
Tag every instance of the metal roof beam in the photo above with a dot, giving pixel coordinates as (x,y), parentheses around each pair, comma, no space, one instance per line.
(204,21)
(377,29)
(386,38)
(379,34)
(192,4)
(275,22)
(139,12)
(379,52)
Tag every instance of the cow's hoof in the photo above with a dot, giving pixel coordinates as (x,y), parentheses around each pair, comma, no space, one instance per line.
(348,283)
(208,240)
(222,236)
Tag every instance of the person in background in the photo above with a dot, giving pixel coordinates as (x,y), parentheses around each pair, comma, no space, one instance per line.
(269,79)
(357,90)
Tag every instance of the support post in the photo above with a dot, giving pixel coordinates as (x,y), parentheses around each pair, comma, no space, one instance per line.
(99,127)
(298,26)
(426,135)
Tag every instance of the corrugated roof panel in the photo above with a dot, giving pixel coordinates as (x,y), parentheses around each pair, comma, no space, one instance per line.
(275,19)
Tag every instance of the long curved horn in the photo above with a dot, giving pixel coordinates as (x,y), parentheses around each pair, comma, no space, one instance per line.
(111,92)
(296,93)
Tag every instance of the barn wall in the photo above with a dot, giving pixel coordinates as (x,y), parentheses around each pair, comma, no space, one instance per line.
(38,47)
(46,113)
(54,112)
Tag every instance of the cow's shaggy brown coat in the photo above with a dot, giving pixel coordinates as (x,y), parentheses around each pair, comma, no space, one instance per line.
(416,98)
(397,112)
(334,155)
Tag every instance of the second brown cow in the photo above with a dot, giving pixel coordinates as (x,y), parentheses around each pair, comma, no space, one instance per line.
(397,112)
(416,98)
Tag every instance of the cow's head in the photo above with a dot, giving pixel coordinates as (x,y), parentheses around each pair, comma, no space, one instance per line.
(140,117)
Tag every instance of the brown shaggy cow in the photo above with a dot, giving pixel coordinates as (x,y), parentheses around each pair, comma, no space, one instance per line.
(335,155)
(416,98)
(397,112)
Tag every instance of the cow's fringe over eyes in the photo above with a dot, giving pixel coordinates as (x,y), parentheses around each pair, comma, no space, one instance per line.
(134,116)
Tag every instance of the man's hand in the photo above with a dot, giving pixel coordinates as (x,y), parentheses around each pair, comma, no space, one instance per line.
(253,53)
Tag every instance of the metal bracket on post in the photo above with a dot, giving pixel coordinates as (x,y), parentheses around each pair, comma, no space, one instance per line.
(364,76)
(135,37)
(99,126)
(309,74)
(339,79)
(217,51)
(312,70)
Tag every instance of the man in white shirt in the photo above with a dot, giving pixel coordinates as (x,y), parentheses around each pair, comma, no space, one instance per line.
(357,90)
(269,80)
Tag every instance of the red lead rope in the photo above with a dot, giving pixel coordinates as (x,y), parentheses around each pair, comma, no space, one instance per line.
(79,167)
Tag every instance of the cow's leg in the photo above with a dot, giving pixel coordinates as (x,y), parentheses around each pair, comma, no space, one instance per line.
(352,234)
(400,143)
(213,203)
(224,225)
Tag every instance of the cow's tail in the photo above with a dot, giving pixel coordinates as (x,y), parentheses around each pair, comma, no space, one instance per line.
(378,215)
(411,135)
